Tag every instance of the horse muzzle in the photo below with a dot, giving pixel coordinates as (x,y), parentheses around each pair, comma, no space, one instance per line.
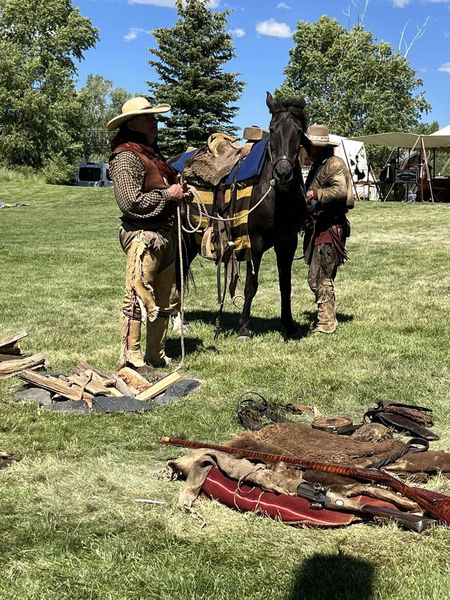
(283,171)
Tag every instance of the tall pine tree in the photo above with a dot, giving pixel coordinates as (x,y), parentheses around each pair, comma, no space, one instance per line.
(189,62)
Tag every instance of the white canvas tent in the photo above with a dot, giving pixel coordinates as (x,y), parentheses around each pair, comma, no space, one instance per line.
(353,153)
(438,141)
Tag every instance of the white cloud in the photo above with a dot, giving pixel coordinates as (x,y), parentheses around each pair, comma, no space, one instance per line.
(170,3)
(284,5)
(401,3)
(445,68)
(133,33)
(273,28)
(238,32)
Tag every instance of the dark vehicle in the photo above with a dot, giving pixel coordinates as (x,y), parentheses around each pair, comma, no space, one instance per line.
(91,174)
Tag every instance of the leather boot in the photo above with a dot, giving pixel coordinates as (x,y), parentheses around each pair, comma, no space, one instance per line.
(130,354)
(326,317)
(156,342)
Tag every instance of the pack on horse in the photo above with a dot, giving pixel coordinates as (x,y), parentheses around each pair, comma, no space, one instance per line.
(276,211)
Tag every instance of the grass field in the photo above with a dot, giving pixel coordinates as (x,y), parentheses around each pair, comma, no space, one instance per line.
(69,525)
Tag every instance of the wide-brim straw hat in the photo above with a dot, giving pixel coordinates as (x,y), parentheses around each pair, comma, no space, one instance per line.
(318,136)
(135,107)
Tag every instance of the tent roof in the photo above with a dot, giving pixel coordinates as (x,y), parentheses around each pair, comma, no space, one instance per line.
(443,131)
(394,138)
(408,140)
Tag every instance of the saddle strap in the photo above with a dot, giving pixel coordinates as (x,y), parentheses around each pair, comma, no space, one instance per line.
(401,423)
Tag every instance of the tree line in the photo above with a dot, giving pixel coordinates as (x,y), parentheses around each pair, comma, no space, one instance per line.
(348,79)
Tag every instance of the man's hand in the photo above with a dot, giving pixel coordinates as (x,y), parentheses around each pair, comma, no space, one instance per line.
(311,200)
(175,191)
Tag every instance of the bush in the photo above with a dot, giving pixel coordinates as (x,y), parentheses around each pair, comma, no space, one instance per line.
(58,170)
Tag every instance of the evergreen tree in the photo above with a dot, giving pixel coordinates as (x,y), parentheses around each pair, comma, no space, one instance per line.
(189,62)
(39,108)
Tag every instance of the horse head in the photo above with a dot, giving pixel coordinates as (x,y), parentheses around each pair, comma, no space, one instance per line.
(287,134)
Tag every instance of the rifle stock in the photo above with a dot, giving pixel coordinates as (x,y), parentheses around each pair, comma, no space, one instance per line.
(436,504)
(321,497)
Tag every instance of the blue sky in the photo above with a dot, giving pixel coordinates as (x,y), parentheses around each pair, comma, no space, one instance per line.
(262,31)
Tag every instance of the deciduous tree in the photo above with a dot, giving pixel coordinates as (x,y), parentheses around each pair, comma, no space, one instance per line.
(189,61)
(100,102)
(350,81)
(40,42)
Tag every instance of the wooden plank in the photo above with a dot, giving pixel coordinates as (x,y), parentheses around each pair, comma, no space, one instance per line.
(5,357)
(159,387)
(10,367)
(93,387)
(10,340)
(52,384)
(119,383)
(133,379)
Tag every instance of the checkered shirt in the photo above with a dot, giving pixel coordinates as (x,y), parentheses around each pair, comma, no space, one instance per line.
(128,175)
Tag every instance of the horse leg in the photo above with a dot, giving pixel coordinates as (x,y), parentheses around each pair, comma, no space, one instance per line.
(285,252)
(251,287)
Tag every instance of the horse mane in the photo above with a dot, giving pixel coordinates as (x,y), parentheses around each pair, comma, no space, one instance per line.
(296,106)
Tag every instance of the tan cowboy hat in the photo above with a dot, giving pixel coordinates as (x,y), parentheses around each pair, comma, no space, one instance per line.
(318,136)
(134,107)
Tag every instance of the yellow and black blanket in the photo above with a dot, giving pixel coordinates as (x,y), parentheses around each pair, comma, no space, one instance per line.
(229,214)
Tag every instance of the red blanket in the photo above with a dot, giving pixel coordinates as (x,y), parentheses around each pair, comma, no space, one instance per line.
(289,509)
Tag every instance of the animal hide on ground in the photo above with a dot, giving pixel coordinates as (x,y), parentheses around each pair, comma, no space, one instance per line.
(319,446)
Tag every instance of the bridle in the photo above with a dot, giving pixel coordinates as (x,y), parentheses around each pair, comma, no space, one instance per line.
(283,157)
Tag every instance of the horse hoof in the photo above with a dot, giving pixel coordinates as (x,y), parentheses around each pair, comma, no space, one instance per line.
(244,338)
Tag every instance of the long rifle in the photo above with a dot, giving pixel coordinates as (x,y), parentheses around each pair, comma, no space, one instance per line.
(321,497)
(438,505)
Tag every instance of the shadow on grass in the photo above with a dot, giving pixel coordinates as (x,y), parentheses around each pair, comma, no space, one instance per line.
(310,317)
(326,576)
(229,323)
(191,344)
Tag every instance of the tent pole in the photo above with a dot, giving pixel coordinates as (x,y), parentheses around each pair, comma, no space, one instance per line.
(427,170)
(377,183)
(350,170)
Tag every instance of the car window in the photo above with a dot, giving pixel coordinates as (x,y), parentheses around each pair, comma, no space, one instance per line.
(89,174)
(108,176)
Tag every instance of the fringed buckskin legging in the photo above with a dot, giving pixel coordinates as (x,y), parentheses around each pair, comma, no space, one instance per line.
(150,274)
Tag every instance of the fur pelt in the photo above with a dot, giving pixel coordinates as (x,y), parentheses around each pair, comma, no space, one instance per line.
(315,445)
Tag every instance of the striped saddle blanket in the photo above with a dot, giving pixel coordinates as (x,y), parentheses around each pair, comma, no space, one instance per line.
(225,207)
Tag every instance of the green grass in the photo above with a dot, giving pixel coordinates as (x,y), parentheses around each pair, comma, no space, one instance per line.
(69,526)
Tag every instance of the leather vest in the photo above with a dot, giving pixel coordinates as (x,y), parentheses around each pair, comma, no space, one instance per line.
(158,175)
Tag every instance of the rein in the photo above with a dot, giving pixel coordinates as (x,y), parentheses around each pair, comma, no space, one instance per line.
(204,213)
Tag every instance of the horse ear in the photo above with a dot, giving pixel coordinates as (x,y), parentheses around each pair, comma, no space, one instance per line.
(270,102)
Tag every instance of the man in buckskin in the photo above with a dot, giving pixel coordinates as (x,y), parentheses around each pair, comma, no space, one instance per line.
(329,196)
(147,191)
